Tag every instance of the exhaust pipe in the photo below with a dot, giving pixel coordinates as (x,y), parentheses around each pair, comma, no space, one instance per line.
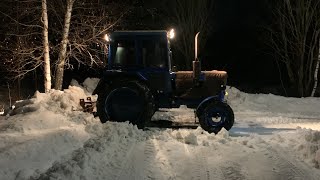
(196,64)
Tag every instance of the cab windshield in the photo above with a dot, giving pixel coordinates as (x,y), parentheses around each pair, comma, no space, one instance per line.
(123,53)
(141,52)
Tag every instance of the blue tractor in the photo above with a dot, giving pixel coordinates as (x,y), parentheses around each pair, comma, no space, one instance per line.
(139,80)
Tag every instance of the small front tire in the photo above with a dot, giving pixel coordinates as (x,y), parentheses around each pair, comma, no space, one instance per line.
(215,116)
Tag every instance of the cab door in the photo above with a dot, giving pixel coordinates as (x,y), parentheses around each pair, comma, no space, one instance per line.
(155,59)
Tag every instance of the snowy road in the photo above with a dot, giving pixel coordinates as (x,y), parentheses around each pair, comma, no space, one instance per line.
(160,157)
(273,138)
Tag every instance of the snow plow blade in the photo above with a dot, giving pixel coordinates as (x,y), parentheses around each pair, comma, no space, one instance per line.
(87,105)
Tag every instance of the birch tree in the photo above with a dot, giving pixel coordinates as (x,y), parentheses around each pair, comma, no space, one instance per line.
(316,73)
(46,54)
(63,49)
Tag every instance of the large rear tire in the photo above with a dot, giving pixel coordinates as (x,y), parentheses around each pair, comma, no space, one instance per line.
(126,101)
(215,116)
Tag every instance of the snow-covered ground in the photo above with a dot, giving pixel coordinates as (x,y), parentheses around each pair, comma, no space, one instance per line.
(47,137)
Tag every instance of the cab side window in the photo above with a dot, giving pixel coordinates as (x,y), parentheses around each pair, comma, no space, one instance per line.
(124,52)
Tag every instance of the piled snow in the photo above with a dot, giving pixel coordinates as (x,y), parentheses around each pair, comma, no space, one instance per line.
(42,129)
(307,144)
(269,103)
(88,84)
(48,137)
(107,149)
(272,109)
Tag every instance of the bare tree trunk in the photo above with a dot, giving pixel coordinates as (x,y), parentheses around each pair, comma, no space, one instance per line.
(63,49)
(46,57)
(316,74)
(290,73)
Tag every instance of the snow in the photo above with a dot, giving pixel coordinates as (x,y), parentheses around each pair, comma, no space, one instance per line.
(48,137)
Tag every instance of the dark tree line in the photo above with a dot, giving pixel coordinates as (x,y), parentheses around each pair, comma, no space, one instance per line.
(76,29)
(73,41)
(293,34)
(294,37)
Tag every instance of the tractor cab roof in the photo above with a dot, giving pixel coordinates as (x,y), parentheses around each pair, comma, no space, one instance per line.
(140,32)
(120,34)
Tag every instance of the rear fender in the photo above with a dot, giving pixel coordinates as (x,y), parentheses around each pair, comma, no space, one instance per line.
(99,87)
(113,76)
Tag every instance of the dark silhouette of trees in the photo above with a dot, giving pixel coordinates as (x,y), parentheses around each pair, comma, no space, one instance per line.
(73,38)
(188,18)
(295,40)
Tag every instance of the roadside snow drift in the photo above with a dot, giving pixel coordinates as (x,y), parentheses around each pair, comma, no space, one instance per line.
(49,137)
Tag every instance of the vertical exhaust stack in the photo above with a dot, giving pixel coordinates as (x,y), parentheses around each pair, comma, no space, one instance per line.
(196,63)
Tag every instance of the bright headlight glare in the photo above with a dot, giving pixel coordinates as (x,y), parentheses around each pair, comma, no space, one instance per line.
(171,34)
(107,37)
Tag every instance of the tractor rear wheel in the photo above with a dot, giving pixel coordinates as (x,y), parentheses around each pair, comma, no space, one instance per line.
(216,116)
(126,101)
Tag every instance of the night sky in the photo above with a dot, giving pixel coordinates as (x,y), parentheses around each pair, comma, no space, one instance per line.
(236,45)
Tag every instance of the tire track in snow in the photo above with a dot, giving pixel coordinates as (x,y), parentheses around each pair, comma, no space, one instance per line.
(232,171)
(146,160)
(204,166)
(158,166)
(127,166)
(134,163)
(284,167)
(199,166)
(149,152)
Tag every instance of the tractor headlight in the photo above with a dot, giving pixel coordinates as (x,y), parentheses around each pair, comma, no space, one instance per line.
(171,34)
(107,37)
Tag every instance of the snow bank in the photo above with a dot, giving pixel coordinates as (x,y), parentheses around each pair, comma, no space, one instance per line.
(309,146)
(67,100)
(88,84)
(39,131)
(49,110)
(99,155)
(272,104)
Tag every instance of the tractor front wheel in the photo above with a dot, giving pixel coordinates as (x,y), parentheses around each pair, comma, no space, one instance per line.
(216,116)
(126,101)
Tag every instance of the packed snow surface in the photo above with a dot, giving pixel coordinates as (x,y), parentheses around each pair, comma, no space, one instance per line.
(48,137)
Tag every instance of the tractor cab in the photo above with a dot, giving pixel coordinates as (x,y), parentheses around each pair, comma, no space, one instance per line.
(138,50)
(144,56)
